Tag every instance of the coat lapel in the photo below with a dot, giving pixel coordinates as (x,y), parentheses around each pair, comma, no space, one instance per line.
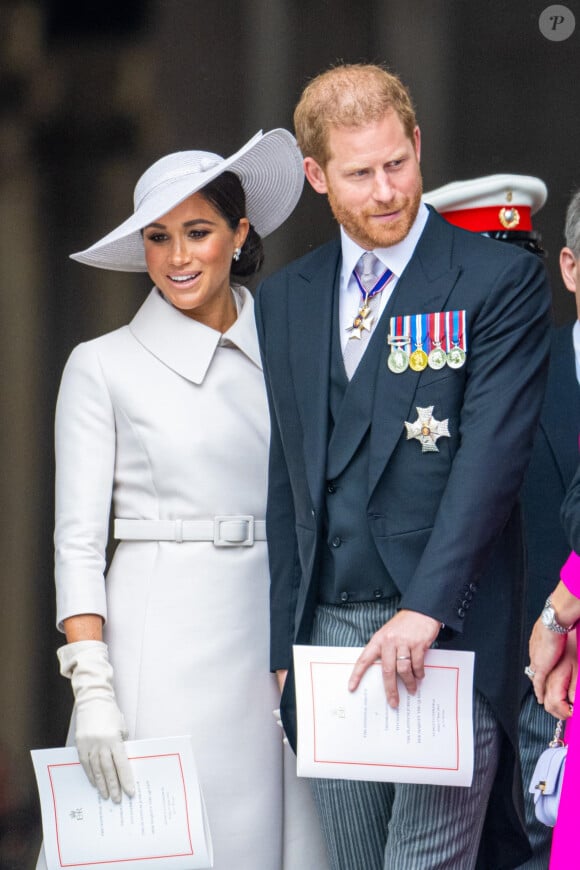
(310,328)
(424,287)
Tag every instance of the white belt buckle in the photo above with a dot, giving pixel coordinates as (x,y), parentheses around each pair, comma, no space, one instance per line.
(233,531)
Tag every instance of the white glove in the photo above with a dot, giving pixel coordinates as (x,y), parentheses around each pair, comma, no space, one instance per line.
(278,718)
(100,726)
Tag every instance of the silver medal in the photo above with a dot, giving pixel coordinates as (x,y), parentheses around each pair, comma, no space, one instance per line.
(437,358)
(456,357)
(398,360)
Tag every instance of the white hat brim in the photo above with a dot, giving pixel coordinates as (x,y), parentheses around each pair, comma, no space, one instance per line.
(489,190)
(269,167)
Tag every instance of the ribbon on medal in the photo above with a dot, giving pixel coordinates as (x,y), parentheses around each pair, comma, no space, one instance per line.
(456,332)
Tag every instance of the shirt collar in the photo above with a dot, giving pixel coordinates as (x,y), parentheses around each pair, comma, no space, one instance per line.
(576,341)
(395,257)
(187,346)
(242,333)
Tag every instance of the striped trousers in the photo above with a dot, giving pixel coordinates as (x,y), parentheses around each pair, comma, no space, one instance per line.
(535,732)
(400,826)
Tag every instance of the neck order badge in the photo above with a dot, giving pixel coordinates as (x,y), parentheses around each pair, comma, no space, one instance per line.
(370,288)
(360,330)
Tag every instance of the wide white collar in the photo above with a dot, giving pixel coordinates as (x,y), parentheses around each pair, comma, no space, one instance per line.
(184,344)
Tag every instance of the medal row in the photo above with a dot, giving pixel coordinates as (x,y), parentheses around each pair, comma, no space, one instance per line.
(422,340)
(399,360)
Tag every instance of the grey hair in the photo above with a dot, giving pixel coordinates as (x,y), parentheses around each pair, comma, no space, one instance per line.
(572,226)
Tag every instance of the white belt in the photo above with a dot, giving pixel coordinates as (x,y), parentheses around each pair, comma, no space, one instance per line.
(225,531)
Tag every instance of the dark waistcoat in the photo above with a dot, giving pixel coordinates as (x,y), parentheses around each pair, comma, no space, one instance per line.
(351,568)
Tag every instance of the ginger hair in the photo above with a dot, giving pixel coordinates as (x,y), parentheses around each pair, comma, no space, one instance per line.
(351,95)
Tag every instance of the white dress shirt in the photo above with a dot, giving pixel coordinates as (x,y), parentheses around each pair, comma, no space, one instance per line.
(576,340)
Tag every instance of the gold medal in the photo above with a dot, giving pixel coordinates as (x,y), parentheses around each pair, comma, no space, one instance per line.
(418,360)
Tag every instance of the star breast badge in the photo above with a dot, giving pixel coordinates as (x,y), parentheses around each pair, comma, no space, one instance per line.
(426,429)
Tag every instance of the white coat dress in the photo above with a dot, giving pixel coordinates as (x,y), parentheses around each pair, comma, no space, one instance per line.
(170,419)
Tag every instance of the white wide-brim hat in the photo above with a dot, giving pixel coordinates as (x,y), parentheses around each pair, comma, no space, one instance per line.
(269,167)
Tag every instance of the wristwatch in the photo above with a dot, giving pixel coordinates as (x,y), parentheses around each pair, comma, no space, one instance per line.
(549,619)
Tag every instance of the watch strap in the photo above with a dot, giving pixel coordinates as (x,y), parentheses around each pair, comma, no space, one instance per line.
(554,625)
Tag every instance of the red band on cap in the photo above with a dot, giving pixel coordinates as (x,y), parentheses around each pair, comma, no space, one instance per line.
(482,220)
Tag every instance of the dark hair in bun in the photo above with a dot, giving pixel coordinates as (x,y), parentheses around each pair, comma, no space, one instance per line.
(227,196)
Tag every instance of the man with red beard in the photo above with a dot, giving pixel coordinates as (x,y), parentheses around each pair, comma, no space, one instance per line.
(405,364)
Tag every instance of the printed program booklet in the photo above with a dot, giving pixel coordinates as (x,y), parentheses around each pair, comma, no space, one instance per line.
(163,827)
(357,735)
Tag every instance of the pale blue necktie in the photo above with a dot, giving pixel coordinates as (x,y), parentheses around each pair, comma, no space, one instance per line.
(355,347)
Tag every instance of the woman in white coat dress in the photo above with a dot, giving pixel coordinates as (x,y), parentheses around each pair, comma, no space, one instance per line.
(167,418)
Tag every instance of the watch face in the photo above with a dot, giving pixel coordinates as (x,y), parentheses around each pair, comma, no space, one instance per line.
(548,616)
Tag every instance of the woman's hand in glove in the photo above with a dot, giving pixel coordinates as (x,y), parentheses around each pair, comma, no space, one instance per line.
(100,726)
